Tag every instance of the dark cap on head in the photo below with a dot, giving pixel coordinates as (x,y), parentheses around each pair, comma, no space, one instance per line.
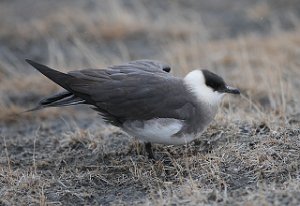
(217,83)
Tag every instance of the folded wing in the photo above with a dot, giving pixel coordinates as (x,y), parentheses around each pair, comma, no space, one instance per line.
(138,90)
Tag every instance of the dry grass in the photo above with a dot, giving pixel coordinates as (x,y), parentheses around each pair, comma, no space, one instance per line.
(248,156)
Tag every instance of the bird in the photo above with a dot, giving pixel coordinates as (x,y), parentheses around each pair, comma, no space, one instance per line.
(143,98)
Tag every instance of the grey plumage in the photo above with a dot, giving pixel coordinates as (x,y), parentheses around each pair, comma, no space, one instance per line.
(59,100)
(127,92)
(143,99)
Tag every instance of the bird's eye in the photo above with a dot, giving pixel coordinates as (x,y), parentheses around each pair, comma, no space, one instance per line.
(167,69)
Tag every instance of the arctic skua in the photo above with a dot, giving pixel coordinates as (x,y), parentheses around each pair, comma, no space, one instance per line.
(143,99)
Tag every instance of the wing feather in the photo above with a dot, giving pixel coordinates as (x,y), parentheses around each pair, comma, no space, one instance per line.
(137,90)
(134,94)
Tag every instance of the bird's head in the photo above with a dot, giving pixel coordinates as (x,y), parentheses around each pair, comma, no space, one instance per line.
(208,86)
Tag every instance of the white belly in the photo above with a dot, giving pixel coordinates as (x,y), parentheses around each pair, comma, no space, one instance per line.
(159,131)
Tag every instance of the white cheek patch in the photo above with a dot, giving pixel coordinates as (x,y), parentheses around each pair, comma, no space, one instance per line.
(196,83)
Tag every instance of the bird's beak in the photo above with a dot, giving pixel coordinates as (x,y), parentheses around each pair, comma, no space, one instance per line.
(231,90)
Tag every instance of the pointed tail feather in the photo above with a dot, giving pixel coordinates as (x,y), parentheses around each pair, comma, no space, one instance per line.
(58,100)
(61,99)
(56,76)
(33,109)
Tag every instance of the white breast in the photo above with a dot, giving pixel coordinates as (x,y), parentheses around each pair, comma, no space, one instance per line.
(160,130)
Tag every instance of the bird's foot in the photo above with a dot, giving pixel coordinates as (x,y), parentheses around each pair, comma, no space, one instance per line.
(148,148)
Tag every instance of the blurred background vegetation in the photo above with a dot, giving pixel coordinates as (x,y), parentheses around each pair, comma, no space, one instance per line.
(253,42)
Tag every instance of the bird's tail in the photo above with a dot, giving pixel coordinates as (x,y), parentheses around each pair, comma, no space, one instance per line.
(58,100)
(61,99)
(59,78)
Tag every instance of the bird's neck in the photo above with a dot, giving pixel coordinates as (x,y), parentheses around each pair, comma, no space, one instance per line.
(195,83)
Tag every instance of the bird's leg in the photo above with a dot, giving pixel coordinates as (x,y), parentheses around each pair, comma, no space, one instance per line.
(148,148)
